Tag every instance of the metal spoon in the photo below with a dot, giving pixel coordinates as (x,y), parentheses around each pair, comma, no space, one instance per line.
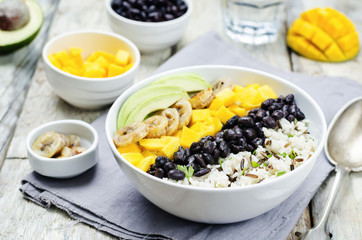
(343,149)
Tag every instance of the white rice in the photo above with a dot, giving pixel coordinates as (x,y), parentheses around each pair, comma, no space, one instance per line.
(287,147)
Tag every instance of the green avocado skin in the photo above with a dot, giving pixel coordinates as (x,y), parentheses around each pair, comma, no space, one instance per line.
(13,47)
(19,42)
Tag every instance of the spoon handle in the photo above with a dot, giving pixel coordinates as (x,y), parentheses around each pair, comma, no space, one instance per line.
(318,232)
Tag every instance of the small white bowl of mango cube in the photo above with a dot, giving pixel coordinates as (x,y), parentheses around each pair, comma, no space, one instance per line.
(90,69)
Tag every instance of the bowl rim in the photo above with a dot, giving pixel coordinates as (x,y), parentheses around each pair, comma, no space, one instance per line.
(150,24)
(35,133)
(90,31)
(275,181)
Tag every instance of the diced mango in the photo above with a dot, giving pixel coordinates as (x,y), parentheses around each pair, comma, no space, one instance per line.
(166,139)
(131,148)
(145,163)
(224,114)
(253,85)
(227,96)
(215,104)
(266,92)
(122,57)
(93,70)
(178,133)
(133,158)
(170,148)
(54,61)
(188,136)
(75,51)
(203,128)
(71,70)
(237,89)
(103,63)
(250,98)
(217,125)
(237,110)
(200,115)
(63,57)
(152,144)
(115,70)
(147,153)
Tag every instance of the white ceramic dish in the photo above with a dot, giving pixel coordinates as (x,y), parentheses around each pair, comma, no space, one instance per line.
(231,204)
(65,167)
(149,36)
(89,93)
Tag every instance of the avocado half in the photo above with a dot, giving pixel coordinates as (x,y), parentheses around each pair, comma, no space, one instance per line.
(13,40)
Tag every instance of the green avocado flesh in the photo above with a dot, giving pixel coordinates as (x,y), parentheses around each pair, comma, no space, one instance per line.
(13,40)
(146,95)
(153,104)
(191,82)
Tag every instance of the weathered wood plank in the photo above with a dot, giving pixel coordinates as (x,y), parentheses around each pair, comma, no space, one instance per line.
(345,219)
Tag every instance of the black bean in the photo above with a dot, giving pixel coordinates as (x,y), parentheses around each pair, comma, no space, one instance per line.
(299,115)
(195,147)
(280,99)
(169,166)
(160,161)
(285,110)
(202,172)
(230,135)
(242,143)
(250,133)
(289,99)
(238,132)
(260,114)
(257,142)
(187,152)
(269,122)
(272,108)
(290,117)
(252,116)
(236,148)
(199,160)
(224,149)
(209,146)
(278,105)
(176,174)
(219,134)
(160,173)
(277,114)
(293,109)
(255,110)
(208,158)
(250,147)
(179,157)
(169,16)
(232,122)
(267,103)
(215,156)
(246,122)
(194,166)
(207,138)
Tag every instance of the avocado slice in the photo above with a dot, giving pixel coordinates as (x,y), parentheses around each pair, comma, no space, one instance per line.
(153,104)
(15,39)
(143,95)
(191,82)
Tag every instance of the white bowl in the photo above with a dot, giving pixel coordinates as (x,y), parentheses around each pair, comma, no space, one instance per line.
(83,92)
(70,166)
(229,204)
(149,36)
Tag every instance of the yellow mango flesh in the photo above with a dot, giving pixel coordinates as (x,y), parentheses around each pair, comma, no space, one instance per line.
(99,64)
(324,35)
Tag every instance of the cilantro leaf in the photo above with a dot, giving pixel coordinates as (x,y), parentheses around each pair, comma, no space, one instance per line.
(254,164)
(280,173)
(188,171)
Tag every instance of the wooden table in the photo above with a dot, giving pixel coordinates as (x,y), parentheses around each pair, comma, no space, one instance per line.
(21,219)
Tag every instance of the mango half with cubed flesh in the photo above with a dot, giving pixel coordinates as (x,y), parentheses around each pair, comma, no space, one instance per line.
(324,34)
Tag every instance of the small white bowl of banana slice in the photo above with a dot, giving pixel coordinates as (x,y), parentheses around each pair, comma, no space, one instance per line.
(63,148)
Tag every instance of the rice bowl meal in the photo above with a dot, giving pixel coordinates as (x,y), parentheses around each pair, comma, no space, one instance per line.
(219,135)
(192,138)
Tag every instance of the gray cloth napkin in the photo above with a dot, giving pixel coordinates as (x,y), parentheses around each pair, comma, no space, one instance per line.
(103,197)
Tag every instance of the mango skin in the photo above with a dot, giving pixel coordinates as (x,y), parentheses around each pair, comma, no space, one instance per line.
(324,34)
